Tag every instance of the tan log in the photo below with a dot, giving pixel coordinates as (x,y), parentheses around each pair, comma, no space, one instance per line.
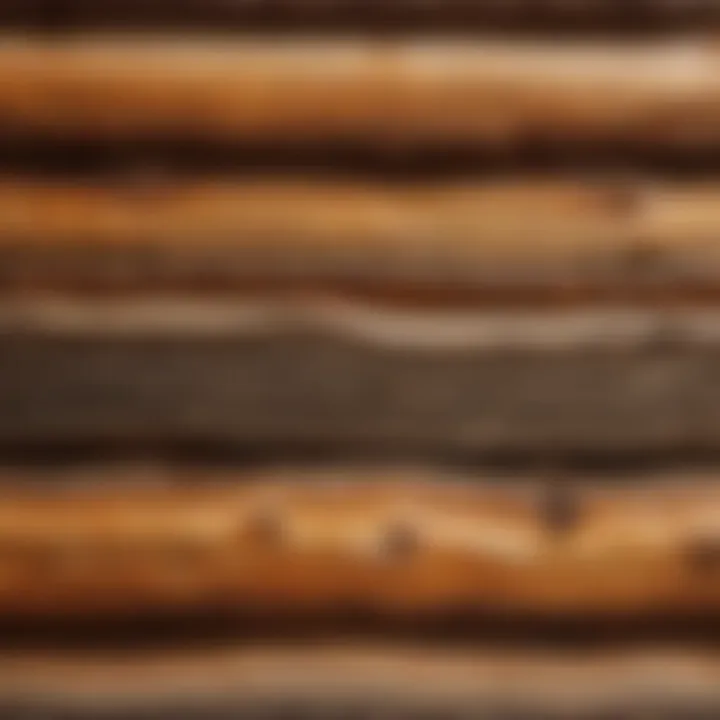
(570,237)
(477,91)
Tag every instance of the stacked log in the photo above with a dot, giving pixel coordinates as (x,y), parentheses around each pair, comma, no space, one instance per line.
(359,358)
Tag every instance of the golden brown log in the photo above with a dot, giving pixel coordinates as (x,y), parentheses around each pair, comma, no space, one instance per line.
(470,237)
(387,92)
(365,680)
(387,543)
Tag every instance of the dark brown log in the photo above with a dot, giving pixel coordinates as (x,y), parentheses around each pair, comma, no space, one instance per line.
(331,375)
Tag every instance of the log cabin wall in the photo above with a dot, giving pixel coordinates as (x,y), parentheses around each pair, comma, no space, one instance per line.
(359,358)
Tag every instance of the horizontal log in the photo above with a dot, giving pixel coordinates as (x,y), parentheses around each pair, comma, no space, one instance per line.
(669,682)
(384,542)
(478,91)
(475,240)
(335,375)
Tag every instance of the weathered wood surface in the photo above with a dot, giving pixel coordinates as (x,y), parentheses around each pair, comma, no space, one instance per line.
(389,543)
(412,92)
(341,375)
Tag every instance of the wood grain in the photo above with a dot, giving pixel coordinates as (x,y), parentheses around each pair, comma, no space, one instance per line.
(472,239)
(106,87)
(338,376)
(388,543)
